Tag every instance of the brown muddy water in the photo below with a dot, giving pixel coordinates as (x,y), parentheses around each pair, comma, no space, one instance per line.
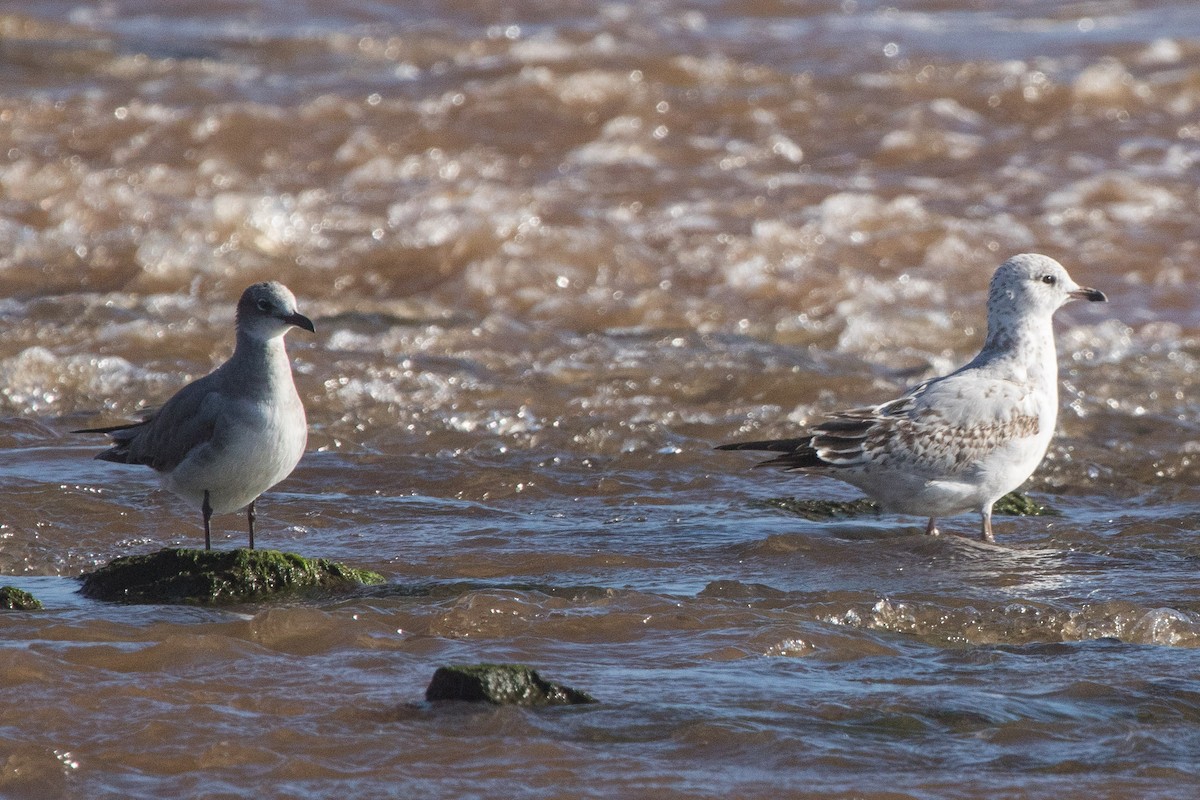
(555,251)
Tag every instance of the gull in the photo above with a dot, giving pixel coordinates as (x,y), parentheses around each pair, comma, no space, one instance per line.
(960,442)
(224,439)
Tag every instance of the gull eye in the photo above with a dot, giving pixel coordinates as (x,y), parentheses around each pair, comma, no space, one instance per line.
(264,305)
(1049,280)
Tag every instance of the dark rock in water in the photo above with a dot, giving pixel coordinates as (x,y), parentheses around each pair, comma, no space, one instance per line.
(13,599)
(216,576)
(1013,504)
(501,684)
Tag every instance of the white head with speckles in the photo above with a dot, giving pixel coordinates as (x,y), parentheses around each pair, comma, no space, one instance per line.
(1031,287)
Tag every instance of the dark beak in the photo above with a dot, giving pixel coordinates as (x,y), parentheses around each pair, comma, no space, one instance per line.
(1094,295)
(301,321)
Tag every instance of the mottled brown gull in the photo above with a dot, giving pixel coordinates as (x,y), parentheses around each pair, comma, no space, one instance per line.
(960,442)
(224,439)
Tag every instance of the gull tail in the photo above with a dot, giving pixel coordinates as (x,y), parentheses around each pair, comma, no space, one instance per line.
(798,453)
(121,436)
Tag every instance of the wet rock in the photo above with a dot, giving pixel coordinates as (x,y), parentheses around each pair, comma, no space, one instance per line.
(1013,504)
(500,684)
(180,575)
(14,599)
(821,509)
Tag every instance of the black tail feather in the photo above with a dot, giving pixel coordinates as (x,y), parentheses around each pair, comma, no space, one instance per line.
(119,451)
(797,453)
(771,445)
(110,429)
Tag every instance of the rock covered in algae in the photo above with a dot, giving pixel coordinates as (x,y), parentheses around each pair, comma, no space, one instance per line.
(181,575)
(14,599)
(1013,504)
(821,509)
(500,684)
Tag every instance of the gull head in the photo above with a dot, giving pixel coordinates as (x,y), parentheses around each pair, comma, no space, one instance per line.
(268,310)
(1034,284)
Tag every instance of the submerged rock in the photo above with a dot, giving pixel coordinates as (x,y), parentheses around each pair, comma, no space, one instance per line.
(821,509)
(500,684)
(1013,504)
(14,599)
(180,575)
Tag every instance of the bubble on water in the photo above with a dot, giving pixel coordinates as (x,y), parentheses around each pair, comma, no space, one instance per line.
(930,143)
(586,88)
(165,254)
(1161,52)
(950,109)
(67,759)
(1130,623)
(623,140)
(783,146)
(916,316)
(1108,83)
(543,50)
(1107,342)
(790,648)
(1167,626)
(841,215)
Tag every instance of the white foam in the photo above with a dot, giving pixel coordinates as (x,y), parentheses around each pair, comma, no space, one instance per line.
(1124,198)
(38,380)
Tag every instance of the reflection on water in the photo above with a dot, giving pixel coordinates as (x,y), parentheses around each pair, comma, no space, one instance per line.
(556,252)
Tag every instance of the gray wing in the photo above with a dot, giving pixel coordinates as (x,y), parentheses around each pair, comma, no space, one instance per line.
(187,421)
(941,427)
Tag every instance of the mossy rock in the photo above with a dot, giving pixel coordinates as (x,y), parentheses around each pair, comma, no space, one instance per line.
(500,684)
(821,509)
(1013,504)
(181,575)
(14,599)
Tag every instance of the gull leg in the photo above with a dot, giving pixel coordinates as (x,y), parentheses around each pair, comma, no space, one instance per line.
(931,528)
(986,533)
(206,510)
(250,517)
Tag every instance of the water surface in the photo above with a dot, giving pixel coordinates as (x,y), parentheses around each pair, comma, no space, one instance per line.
(555,252)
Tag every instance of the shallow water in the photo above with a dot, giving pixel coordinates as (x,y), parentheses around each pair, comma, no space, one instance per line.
(555,252)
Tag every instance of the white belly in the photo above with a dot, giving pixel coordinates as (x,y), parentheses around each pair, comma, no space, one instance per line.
(255,448)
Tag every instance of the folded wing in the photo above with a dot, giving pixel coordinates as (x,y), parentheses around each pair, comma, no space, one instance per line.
(165,438)
(937,428)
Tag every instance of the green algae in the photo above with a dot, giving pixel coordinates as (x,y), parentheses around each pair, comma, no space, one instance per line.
(1013,504)
(500,684)
(821,509)
(14,599)
(203,577)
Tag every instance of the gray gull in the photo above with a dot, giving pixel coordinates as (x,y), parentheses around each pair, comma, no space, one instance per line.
(224,439)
